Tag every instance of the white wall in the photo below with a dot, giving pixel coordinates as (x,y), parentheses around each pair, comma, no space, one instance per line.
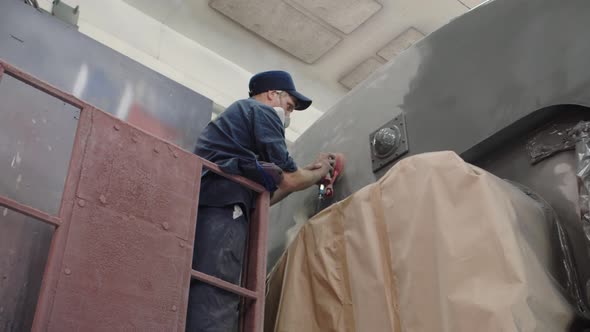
(129,31)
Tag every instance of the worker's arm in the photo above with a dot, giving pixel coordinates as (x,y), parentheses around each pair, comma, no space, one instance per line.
(278,196)
(269,133)
(302,178)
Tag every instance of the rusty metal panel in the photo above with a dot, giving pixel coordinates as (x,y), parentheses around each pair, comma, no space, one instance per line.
(119,272)
(137,174)
(127,259)
(58,242)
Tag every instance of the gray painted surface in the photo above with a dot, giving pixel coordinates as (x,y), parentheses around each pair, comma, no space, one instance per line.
(458,86)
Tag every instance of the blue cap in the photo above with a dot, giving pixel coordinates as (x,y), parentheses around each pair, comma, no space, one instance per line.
(277,80)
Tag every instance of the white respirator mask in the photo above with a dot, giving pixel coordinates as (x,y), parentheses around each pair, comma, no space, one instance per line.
(284,119)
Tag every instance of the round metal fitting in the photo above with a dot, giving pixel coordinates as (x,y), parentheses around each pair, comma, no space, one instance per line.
(386,141)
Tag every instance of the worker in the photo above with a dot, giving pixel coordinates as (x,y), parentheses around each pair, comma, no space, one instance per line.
(247,139)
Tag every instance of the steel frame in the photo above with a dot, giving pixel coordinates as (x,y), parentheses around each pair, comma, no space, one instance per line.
(254,269)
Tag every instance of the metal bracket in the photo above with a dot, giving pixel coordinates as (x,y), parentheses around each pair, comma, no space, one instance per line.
(389,142)
(550,141)
(65,12)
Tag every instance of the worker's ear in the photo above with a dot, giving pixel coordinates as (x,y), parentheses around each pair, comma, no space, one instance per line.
(270,95)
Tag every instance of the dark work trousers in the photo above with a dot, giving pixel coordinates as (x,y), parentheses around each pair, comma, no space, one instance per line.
(220,241)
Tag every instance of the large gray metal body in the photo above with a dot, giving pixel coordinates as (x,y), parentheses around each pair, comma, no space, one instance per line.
(460,88)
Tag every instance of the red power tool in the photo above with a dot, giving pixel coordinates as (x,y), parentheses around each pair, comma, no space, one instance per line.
(327,183)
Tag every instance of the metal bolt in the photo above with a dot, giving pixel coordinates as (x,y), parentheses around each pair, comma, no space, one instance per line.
(103,199)
(181,244)
(116,127)
(175,154)
(81,202)
(156,150)
(67,271)
(134,139)
(174,308)
(385,142)
(165,225)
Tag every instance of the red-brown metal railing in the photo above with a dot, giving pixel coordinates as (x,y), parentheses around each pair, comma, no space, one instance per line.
(255,267)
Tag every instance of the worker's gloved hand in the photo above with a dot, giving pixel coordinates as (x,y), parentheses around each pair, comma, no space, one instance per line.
(336,162)
(317,164)
(327,156)
(324,164)
(331,158)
